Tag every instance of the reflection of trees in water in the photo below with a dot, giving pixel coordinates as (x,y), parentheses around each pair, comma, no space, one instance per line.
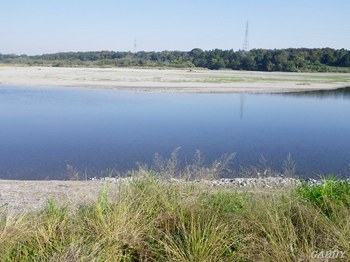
(336,93)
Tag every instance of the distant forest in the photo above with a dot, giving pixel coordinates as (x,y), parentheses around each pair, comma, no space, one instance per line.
(287,60)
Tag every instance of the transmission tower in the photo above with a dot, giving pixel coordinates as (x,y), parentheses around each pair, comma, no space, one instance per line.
(246,41)
(135,46)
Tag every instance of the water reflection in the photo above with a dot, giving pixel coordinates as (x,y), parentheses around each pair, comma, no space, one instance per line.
(335,93)
(241,107)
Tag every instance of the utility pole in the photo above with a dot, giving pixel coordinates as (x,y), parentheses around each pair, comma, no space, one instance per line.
(246,40)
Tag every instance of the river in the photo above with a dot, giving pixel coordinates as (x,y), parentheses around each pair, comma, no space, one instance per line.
(45,130)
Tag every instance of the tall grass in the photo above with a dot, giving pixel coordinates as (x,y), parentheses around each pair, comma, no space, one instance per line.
(151,219)
(172,167)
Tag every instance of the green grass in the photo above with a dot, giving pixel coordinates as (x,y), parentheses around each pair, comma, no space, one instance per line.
(331,193)
(154,220)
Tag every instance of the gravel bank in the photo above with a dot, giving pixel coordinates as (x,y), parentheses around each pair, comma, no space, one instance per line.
(17,195)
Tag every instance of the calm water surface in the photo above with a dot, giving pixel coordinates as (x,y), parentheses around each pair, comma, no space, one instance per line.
(42,130)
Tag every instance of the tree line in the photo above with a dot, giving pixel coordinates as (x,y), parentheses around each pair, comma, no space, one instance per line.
(287,60)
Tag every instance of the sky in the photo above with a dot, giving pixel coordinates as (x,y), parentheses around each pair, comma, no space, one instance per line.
(48,26)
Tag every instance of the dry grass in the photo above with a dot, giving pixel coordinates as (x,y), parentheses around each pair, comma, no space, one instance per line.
(151,219)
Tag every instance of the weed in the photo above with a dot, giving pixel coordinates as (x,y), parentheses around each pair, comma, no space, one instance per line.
(328,194)
(171,168)
(152,219)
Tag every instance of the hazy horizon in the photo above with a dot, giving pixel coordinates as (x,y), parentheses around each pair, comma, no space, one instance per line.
(41,27)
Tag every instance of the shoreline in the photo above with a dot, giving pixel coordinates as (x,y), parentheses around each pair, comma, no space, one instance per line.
(172,80)
(21,194)
(31,195)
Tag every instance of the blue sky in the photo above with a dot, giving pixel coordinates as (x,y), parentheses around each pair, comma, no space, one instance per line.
(47,26)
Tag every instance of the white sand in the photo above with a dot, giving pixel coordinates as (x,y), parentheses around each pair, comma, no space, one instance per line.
(157,80)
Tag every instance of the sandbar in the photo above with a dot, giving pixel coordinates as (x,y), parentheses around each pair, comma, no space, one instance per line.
(172,80)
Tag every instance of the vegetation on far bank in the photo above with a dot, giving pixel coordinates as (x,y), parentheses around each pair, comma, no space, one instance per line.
(288,60)
(153,220)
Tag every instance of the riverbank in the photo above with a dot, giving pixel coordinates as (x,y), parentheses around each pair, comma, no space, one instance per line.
(159,80)
(22,195)
(150,219)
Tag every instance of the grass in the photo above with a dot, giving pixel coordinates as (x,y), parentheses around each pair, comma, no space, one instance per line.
(331,191)
(154,220)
